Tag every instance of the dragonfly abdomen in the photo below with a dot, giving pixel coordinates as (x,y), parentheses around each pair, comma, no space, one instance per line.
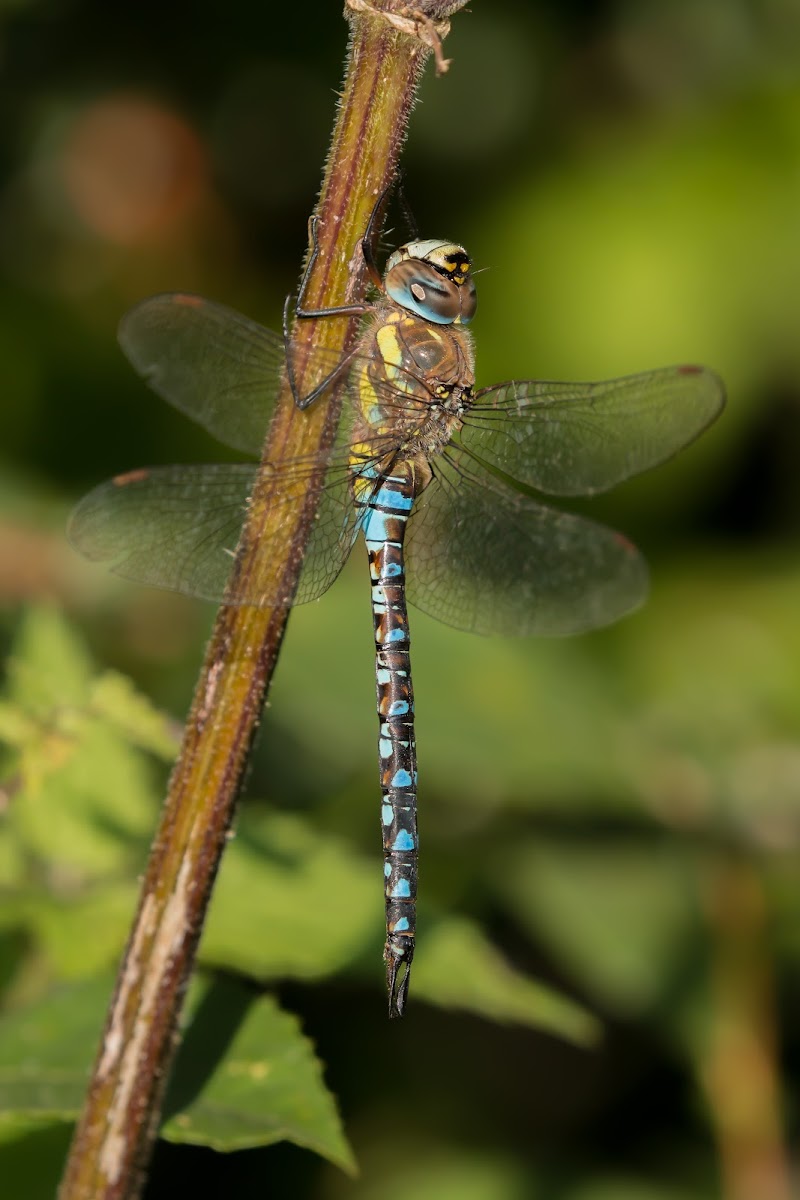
(384,523)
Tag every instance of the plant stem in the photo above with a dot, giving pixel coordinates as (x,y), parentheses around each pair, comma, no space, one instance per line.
(739,1067)
(118,1126)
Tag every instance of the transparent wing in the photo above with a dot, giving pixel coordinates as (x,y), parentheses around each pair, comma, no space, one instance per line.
(485,558)
(178,528)
(572,439)
(225,371)
(216,366)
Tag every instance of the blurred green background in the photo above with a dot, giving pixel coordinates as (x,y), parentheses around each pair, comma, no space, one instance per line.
(621,818)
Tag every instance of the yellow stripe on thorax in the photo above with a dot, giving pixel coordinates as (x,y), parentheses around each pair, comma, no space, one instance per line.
(390,348)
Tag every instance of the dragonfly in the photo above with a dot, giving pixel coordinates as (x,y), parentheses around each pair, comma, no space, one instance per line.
(446,482)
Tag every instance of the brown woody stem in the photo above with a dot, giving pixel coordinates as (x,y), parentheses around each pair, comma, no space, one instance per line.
(118,1126)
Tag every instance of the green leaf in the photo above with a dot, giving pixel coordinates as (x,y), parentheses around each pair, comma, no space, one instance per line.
(619,917)
(261,1082)
(86,799)
(45,1054)
(16,727)
(49,668)
(12,860)
(455,966)
(83,795)
(246,1075)
(14,949)
(289,902)
(114,697)
(83,934)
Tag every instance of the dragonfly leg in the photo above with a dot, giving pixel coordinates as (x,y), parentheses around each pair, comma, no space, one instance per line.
(303,401)
(405,207)
(367,244)
(337,310)
(342,310)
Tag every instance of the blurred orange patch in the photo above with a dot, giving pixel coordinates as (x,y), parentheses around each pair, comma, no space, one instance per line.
(131,168)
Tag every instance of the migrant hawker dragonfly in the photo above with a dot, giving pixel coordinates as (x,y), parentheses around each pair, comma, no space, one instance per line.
(439,476)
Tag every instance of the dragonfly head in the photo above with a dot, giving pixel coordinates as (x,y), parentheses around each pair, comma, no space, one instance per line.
(432,279)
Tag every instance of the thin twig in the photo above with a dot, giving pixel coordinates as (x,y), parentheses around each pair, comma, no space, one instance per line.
(117,1128)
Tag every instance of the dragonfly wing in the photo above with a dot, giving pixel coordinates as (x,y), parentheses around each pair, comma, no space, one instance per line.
(216,366)
(573,439)
(178,528)
(225,371)
(485,558)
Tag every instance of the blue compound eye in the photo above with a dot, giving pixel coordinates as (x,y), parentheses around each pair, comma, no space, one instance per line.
(432,279)
(419,287)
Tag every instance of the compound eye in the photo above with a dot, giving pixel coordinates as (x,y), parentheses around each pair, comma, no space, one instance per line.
(469,301)
(423,290)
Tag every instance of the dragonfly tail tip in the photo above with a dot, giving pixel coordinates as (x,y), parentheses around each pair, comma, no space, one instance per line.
(398,975)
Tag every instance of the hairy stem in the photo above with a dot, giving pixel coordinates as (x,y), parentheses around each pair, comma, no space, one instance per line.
(389,44)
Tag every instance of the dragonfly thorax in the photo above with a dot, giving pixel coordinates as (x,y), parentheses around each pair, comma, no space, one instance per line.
(445,411)
(432,280)
(454,399)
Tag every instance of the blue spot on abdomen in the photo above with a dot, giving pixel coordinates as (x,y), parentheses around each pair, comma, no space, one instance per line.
(389,498)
